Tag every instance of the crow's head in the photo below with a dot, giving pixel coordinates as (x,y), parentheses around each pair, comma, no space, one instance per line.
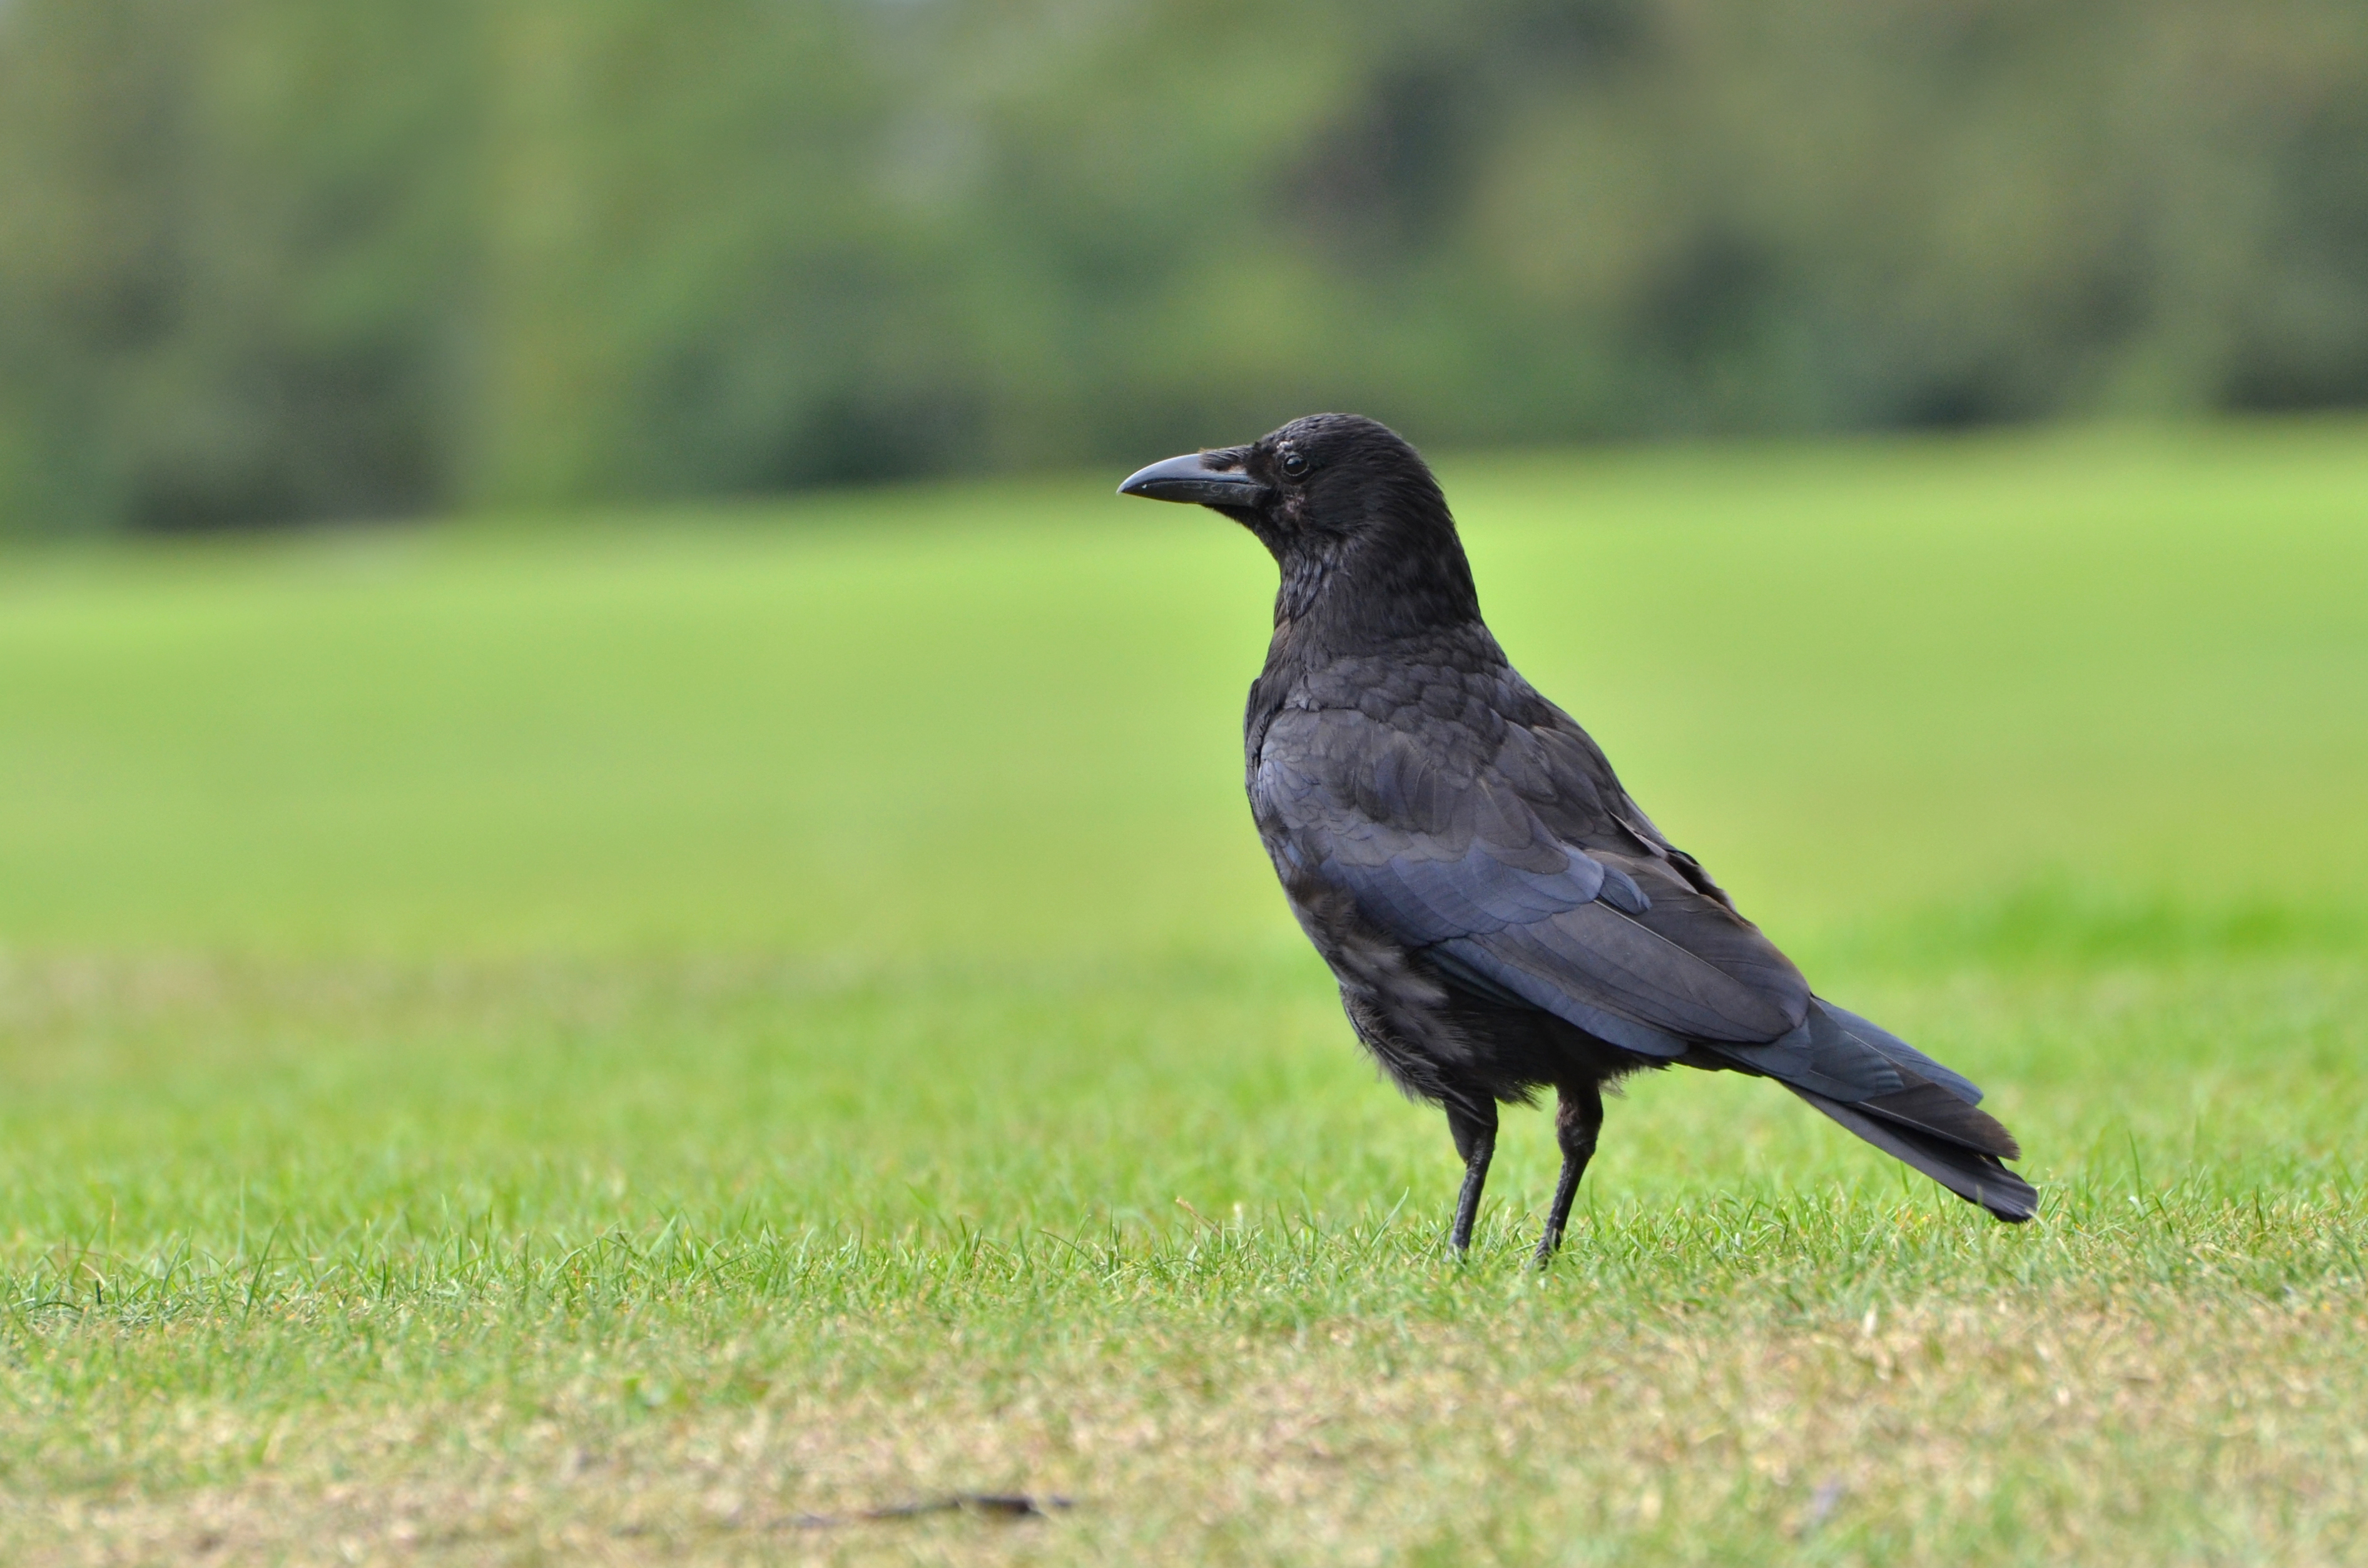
(1343,503)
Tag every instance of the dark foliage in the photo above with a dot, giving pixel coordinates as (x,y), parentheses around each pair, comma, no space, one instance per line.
(262,259)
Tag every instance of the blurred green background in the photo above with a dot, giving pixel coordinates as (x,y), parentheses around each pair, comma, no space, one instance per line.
(262,259)
(2088,694)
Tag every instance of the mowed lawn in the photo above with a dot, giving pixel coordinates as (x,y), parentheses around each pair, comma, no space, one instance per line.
(657,1037)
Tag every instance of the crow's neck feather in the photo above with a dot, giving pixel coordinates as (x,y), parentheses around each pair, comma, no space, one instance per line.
(1398,578)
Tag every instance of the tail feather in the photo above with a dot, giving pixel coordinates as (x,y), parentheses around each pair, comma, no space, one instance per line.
(1899,1051)
(1929,1108)
(1896,1098)
(1974,1176)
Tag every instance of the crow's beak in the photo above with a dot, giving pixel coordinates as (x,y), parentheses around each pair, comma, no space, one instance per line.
(1191,478)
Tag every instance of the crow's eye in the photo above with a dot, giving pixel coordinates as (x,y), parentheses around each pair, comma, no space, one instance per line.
(1293,464)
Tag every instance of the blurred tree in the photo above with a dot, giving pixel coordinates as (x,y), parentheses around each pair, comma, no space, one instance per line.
(261,260)
(689,266)
(233,232)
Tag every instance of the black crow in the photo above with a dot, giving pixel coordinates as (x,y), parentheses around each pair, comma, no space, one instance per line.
(1498,912)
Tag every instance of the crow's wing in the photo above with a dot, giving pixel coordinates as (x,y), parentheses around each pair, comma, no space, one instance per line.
(1499,850)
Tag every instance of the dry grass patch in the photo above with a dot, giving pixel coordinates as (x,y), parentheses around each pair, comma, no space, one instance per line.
(1544,1421)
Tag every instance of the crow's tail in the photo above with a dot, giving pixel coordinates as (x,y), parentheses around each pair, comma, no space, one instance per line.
(1898,1099)
(1974,1175)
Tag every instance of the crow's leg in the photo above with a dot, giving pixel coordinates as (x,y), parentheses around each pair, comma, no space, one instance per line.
(1474,1130)
(1579,1116)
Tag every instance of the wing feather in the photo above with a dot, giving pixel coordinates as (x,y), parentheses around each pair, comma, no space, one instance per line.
(1606,935)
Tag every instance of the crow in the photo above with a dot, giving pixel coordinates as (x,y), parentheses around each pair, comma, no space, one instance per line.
(1499,914)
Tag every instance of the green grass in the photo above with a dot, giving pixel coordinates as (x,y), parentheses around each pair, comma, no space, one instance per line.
(537,1044)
